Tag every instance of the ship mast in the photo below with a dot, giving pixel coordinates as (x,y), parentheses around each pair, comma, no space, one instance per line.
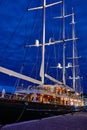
(42,74)
(42,69)
(43,42)
(64,40)
(63,37)
(73,51)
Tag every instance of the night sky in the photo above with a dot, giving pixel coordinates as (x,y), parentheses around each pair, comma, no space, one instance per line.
(19,27)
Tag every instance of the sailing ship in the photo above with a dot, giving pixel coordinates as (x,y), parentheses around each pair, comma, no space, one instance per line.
(43,99)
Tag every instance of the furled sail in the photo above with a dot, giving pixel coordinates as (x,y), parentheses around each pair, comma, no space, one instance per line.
(18,75)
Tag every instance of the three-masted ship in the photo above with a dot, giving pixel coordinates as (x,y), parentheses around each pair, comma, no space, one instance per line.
(42,100)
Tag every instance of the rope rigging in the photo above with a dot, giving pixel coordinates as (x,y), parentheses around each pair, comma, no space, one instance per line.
(4,50)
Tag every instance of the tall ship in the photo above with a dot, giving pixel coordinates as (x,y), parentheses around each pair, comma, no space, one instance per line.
(41,99)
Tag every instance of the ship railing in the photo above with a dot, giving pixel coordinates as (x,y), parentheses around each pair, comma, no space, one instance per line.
(7,96)
(41,91)
(10,96)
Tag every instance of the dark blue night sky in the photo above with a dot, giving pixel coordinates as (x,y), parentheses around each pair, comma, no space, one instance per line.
(19,27)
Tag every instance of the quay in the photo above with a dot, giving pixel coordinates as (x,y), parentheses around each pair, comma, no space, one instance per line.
(72,121)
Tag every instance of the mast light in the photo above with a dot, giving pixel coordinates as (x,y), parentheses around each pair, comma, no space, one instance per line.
(37,42)
(59,66)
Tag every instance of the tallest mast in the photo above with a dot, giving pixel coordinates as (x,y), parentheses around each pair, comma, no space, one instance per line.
(44,6)
(43,42)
